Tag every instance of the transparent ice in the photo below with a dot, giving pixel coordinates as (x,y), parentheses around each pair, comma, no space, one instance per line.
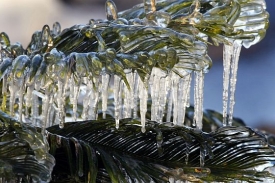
(161,52)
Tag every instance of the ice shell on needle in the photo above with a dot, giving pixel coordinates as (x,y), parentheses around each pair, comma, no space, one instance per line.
(56,28)
(4,40)
(111,10)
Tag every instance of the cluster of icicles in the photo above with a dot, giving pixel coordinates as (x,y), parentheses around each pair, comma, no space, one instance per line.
(47,86)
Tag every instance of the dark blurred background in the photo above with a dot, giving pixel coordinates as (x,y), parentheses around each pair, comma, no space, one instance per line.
(255,94)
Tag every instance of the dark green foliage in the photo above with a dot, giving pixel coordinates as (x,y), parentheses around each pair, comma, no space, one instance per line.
(23,153)
(126,154)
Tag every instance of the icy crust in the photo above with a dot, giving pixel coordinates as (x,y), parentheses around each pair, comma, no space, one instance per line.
(70,67)
(245,20)
(24,152)
(150,52)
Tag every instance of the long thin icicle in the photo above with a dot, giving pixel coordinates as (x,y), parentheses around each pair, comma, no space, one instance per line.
(128,99)
(45,109)
(4,93)
(13,88)
(181,104)
(35,105)
(198,98)
(233,80)
(169,105)
(60,103)
(62,88)
(231,59)
(28,99)
(104,93)
(227,55)
(175,81)
(85,99)
(121,95)
(201,87)
(135,94)
(76,89)
(21,98)
(187,103)
(157,83)
(154,84)
(143,96)
(93,99)
(116,98)
(164,83)
(183,93)
(195,100)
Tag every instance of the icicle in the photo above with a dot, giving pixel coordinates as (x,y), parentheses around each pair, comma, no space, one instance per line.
(231,59)
(104,93)
(116,98)
(187,94)
(201,87)
(135,94)
(175,81)
(158,93)
(143,96)
(128,99)
(233,80)
(45,109)
(35,105)
(181,104)
(187,104)
(121,95)
(13,88)
(60,103)
(154,86)
(61,97)
(4,93)
(28,98)
(93,98)
(198,98)
(195,100)
(169,105)
(76,89)
(182,98)
(164,83)
(21,98)
(85,99)
(51,112)
(227,55)
(71,84)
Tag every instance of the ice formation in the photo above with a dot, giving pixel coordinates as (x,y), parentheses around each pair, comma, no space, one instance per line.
(144,59)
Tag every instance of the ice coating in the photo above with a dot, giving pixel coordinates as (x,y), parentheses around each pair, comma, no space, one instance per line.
(111,10)
(125,67)
(110,67)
